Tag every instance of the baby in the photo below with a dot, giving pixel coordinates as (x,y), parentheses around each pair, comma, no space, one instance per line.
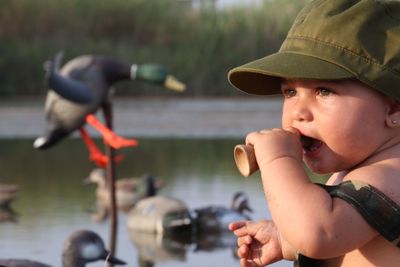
(339,73)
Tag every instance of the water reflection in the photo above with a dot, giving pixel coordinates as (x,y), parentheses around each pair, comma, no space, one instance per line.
(154,249)
(157,248)
(54,202)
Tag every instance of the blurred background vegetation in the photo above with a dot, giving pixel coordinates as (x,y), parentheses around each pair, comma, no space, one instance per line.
(197,40)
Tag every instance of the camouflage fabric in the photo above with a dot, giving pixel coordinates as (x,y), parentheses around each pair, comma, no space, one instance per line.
(332,40)
(382,213)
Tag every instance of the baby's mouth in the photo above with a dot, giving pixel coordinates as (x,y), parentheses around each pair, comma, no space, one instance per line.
(310,144)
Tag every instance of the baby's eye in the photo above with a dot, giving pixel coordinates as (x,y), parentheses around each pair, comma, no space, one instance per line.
(322,91)
(288,92)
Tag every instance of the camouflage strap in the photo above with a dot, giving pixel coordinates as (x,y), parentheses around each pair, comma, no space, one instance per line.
(381,212)
(303,261)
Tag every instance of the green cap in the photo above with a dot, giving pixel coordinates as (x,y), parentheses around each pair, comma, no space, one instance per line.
(330,40)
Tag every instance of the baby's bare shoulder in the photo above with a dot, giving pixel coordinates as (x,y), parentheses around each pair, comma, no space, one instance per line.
(383,175)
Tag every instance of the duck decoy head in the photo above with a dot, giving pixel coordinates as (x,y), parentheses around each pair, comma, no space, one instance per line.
(147,186)
(156,74)
(96,176)
(86,246)
(69,89)
(240,203)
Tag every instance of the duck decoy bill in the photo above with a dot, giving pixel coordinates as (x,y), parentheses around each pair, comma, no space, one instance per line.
(173,84)
(111,259)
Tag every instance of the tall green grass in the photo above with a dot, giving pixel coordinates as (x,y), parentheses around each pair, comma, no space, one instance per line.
(199,46)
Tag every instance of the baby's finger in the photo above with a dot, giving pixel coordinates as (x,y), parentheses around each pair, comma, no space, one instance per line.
(253,135)
(247,263)
(293,130)
(276,130)
(236,225)
(244,240)
(244,263)
(266,131)
(243,251)
(243,229)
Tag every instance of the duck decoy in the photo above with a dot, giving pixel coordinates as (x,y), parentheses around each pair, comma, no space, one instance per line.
(217,218)
(8,192)
(128,191)
(7,214)
(89,79)
(160,215)
(82,246)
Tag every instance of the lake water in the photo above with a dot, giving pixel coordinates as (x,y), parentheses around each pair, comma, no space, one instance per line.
(53,201)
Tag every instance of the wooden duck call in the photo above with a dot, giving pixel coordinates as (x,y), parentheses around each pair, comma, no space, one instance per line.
(245,159)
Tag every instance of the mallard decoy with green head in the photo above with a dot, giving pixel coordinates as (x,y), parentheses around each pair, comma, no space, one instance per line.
(82,247)
(216,218)
(128,191)
(89,79)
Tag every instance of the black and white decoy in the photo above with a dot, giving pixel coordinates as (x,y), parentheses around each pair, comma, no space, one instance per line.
(216,218)
(82,247)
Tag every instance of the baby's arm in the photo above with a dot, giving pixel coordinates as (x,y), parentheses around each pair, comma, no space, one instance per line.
(259,243)
(311,221)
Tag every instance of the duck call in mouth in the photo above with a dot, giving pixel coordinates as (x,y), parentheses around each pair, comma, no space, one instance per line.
(245,157)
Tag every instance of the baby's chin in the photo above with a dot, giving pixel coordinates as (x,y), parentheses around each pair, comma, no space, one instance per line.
(318,168)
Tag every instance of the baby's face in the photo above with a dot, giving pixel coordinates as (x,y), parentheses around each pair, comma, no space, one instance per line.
(342,122)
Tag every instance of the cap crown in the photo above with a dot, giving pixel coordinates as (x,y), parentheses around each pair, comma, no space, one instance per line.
(362,37)
(333,39)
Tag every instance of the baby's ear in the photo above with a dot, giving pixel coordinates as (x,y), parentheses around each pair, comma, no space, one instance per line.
(393,115)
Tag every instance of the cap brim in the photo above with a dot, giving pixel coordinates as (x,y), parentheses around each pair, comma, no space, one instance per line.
(264,76)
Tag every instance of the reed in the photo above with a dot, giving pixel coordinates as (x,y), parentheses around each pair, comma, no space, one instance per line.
(198,45)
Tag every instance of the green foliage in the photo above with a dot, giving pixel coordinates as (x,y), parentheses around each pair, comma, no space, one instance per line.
(199,46)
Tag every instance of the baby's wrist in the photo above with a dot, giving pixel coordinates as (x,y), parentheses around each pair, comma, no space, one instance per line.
(277,164)
(282,157)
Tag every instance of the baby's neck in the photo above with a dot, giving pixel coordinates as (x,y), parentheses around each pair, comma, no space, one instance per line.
(336,178)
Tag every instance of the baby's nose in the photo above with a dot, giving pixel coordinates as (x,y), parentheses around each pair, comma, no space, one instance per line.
(301,112)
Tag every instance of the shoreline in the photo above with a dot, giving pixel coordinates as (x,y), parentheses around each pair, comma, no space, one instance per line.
(149,117)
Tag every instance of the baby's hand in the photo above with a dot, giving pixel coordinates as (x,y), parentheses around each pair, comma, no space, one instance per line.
(258,242)
(270,145)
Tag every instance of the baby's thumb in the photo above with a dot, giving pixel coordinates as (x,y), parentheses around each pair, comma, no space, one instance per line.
(236,225)
(293,130)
